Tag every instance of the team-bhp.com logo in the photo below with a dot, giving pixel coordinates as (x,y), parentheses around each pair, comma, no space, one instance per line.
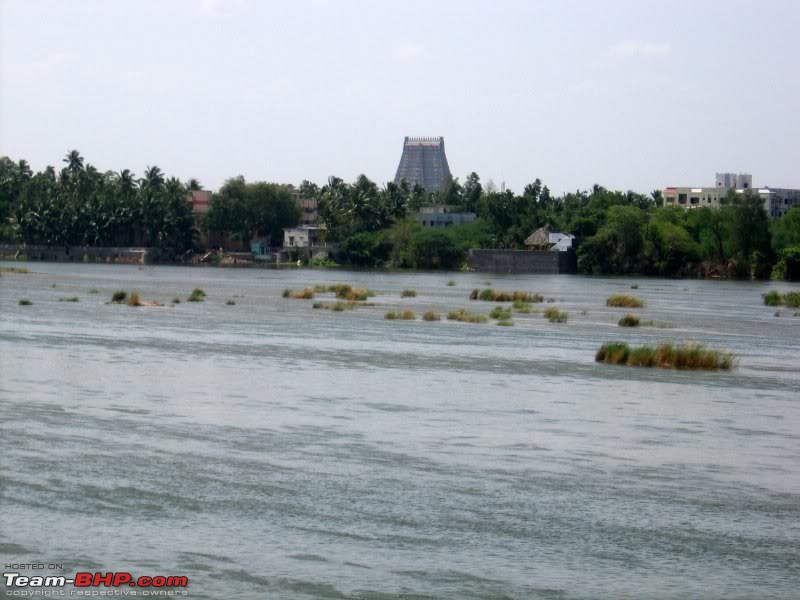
(122,580)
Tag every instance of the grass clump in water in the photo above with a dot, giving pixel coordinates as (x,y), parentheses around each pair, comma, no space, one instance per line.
(498,312)
(635,286)
(490,295)
(16,270)
(176,300)
(408,294)
(406,315)
(134,300)
(230,302)
(466,316)
(69,299)
(629,320)
(304,294)
(94,291)
(773,298)
(666,356)
(522,306)
(119,296)
(505,322)
(556,316)
(431,316)
(24,302)
(792,299)
(197,295)
(451,283)
(624,300)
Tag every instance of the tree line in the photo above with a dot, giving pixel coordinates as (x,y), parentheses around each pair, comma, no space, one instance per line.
(616,232)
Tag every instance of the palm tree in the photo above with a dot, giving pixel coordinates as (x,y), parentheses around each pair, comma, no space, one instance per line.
(153,178)
(194,185)
(74,161)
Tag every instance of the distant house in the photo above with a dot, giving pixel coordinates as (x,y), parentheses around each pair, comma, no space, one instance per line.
(544,239)
(442,215)
(303,237)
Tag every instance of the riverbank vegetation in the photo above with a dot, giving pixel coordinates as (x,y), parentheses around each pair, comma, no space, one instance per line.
(616,232)
(490,295)
(405,315)
(668,356)
(466,317)
(555,315)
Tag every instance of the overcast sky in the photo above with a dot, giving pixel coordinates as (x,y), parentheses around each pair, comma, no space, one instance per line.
(629,94)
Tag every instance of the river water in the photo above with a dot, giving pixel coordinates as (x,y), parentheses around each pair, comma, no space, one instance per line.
(269,450)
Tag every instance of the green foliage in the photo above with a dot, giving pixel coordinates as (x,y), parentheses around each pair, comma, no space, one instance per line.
(69,299)
(451,283)
(248,210)
(322,262)
(431,316)
(408,294)
(230,302)
(788,265)
(24,302)
(505,322)
(119,296)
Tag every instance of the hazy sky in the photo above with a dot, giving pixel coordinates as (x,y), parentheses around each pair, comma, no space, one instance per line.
(630,94)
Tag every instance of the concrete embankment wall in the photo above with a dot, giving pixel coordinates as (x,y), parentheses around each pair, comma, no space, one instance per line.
(80,253)
(522,261)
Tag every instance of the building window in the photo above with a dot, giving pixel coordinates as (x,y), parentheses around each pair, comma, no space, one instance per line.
(291,240)
(695,200)
(681,198)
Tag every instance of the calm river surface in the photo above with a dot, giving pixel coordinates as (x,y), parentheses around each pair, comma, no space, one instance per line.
(269,450)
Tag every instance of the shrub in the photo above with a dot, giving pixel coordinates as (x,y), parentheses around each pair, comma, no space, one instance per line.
(24,302)
(286,292)
(197,295)
(498,312)
(505,322)
(391,315)
(773,298)
(487,295)
(431,316)
(230,302)
(792,299)
(556,316)
(408,294)
(176,300)
(119,296)
(635,286)
(624,300)
(340,307)
(466,316)
(134,300)
(686,356)
(629,320)
(322,261)
(408,315)
(473,295)
(451,283)
(316,305)
(69,299)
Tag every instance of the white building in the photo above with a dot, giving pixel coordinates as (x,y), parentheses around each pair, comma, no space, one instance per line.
(777,201)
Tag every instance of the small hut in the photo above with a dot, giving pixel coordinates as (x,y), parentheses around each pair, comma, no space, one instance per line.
(539,240)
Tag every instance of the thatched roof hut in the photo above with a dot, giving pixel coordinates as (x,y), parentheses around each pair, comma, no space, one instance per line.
(539,239)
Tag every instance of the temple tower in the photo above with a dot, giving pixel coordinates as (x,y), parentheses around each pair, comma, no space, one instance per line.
(424,162)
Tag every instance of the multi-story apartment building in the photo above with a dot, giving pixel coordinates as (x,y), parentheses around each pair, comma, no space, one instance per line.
(777,201)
